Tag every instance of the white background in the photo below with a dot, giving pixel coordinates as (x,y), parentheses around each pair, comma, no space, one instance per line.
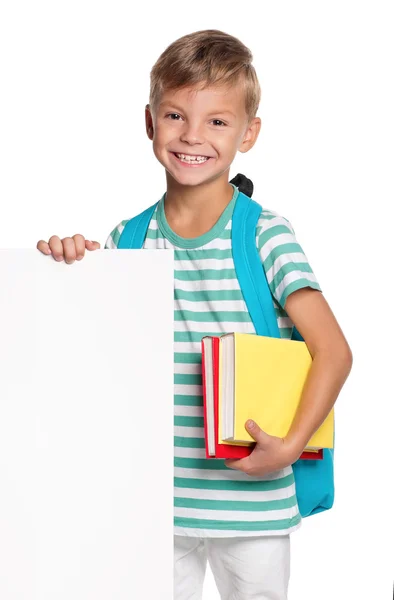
(75,159)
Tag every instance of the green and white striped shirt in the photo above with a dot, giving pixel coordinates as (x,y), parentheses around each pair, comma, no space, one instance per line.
(211,500)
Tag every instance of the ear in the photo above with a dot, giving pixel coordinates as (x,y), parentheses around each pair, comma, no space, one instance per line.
(250,135)
(149,122)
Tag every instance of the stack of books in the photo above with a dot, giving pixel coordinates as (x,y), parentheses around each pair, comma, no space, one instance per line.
(248,376)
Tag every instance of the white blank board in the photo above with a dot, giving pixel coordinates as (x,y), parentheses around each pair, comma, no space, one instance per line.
(86,426)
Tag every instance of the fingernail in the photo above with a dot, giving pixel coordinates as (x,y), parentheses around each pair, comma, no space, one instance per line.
(250,424)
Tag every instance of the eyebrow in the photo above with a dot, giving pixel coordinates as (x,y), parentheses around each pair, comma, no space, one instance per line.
(216,112)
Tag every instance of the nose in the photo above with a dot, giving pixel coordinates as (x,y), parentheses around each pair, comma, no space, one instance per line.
(192,134)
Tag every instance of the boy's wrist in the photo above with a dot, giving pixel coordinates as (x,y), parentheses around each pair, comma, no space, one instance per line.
(295,445)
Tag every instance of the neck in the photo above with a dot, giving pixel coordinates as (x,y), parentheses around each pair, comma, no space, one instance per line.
(203,203)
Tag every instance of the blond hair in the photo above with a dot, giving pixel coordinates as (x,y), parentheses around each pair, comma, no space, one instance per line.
(209,57)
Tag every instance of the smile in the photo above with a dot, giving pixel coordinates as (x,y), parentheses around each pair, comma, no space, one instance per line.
(189,160)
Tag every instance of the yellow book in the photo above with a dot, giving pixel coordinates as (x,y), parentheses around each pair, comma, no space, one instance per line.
(262,378)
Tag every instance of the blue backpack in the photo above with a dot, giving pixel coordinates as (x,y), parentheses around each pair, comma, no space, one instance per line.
(314,479)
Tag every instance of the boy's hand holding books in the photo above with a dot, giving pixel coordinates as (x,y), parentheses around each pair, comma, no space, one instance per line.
(261,379)
(270,453)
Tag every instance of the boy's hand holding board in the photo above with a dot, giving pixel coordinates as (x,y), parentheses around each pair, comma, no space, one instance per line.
(68,249)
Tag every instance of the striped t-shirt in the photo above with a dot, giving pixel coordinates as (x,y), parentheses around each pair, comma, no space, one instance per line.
(211,500)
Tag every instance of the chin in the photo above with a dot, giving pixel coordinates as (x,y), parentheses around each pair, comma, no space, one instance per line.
(190,178)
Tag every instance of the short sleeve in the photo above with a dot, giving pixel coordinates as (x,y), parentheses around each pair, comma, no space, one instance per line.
(114,236)
(284,261)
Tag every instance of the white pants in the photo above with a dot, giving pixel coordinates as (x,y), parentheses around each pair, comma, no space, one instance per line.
(243,568)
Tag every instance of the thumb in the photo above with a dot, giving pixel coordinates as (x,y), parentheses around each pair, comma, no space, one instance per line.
(92,245)
(257,434)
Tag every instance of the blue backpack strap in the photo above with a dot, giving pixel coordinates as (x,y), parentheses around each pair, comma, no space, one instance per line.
(134,232)
(314,479)
(247,263)
(260,304)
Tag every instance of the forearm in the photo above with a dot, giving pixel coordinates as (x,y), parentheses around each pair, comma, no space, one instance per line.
(327,375)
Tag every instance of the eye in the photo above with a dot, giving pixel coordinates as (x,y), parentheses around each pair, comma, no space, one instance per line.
(173,115)
(219,121)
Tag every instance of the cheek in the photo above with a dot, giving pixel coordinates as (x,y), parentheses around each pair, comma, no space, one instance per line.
(159,144)
(163,136)
(227,144)
(157,140)
(157,150)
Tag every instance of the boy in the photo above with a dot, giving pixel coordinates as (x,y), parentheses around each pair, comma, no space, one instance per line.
(237,514)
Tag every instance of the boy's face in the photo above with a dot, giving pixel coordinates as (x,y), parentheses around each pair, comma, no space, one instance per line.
(211,123)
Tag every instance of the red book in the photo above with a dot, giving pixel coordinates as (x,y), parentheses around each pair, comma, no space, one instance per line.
(210,381)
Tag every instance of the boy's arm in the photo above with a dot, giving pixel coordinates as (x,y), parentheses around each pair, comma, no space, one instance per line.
(331,364)
(295,288)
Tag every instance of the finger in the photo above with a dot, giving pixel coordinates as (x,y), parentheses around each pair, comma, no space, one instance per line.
(92,245)
(70,252)
(79,242)
(260,436)
(231,464)
(240,465)
(56,247)
(43,247)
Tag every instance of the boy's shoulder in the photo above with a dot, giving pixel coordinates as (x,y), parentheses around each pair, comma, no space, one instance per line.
(272,221)
(114,236)
(144,216)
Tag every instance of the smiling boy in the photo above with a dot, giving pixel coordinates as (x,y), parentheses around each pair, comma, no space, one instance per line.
(238,515)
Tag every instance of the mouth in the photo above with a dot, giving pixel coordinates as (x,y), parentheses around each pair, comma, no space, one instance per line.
(190,160)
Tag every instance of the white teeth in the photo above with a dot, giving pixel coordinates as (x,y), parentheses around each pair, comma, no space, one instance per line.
(190,159)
